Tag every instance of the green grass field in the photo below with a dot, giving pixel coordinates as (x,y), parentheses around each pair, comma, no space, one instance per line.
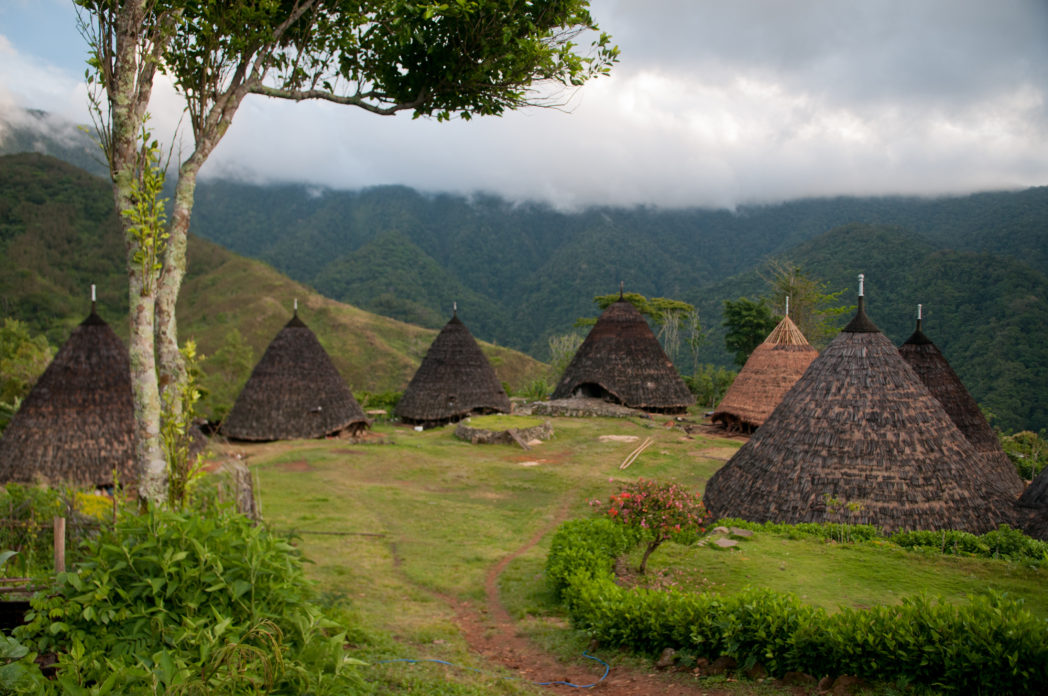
(398,527)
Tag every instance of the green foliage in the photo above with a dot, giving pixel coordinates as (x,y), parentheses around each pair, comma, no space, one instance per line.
(18,672)
(816,312)
(387,400)
(748,322)
(536,390)
(28,512)
(188,603)
(562,349)
(224,373)
(991,644)
(1028,451)
(1003,542)
(23,358)
(659,512)
(146,216)
(183,469)
(710,383)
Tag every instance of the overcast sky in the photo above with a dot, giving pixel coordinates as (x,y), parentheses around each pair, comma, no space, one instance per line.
(714,103)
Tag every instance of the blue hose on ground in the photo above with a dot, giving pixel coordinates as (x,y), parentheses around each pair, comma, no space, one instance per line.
(607,670)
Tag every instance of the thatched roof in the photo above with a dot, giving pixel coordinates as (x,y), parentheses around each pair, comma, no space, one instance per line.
(76,426)
(293,392)
(772,368)
(944,384)
(454,380)
(1033,507)
(860,439)
(621,360)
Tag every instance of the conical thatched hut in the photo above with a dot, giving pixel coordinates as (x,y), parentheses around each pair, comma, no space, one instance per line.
(294,392)
(860,439)
(1033,507)
(944,384)
(76,426)
(772,368)
(622,361)
(454,380)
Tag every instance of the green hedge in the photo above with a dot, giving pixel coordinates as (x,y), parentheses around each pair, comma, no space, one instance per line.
(989,645)
(1003,542)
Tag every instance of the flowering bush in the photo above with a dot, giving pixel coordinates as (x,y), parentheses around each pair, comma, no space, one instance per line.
(659,511)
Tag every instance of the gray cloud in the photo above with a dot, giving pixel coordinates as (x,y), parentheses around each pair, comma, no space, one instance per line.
(713,103)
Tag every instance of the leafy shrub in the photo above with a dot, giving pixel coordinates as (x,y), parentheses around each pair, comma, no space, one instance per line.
(659,512)
(1028,451)
(188,603)
(387,400)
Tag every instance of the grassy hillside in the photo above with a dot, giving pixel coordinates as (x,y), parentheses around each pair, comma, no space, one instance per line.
(58,235)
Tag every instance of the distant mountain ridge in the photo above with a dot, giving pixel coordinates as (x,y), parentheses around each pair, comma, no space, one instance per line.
(523,272)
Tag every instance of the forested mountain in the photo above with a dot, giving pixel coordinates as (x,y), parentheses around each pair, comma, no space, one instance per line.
(59,234)
(528,270)
(523,272)
(985,312)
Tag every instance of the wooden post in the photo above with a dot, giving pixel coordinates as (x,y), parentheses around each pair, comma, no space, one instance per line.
(59,525)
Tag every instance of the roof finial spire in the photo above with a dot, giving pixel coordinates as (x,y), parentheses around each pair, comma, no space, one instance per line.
(93,298)
(787,305)
(296,306)
(622,289)
(454,309)
(919,317)
(861,278)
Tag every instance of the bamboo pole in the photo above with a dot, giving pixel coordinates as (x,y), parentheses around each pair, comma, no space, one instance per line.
(636,453)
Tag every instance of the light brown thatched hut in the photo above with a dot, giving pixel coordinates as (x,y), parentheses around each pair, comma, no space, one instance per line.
(944,384)
(860,439)
(772,368)
(294,392)
(454,380)
(76,426)
(622,361)
(1033,507)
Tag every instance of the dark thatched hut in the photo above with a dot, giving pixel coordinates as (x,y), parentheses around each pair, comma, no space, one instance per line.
(1033,507)
(772,368)
(294,392)
(944,384)
(622,361)
(860,439)
(76,426)
(454,380)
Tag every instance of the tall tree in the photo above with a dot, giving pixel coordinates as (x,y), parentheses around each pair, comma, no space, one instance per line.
(816,311)
(748,322)
(464,58)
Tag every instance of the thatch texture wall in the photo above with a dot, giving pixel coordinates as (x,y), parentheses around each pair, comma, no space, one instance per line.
(944,384)
(1033,507)
(76,427)
(293,392)
(772,368)
(454,380)
(621,359)
(860,439)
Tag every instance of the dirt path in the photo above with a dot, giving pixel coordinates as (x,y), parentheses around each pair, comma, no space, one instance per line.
(491,632)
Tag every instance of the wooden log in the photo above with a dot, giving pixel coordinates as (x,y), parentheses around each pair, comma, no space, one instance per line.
(60,541)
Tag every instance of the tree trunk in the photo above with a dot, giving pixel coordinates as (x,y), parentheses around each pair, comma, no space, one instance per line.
(129,88)
(172,368)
